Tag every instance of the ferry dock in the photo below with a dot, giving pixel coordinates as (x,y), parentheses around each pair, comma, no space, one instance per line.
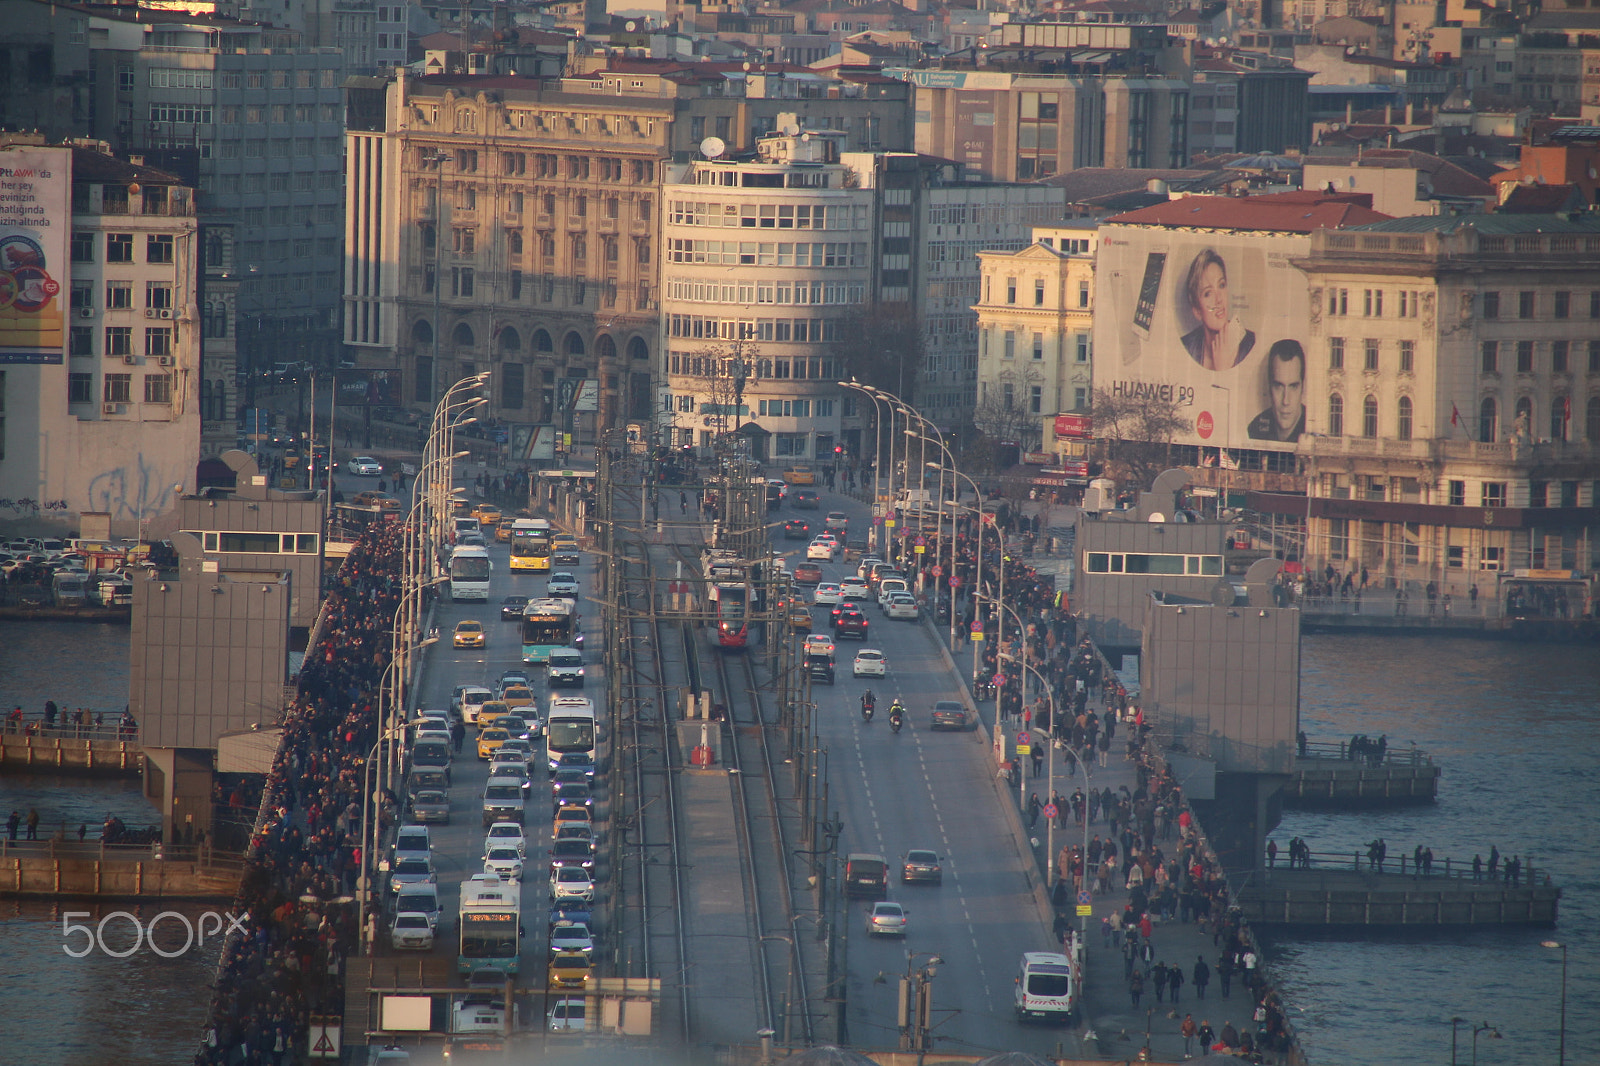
(1330,775)
(70,869)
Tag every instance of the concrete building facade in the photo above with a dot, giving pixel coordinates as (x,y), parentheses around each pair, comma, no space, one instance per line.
(764,312)
(113,427)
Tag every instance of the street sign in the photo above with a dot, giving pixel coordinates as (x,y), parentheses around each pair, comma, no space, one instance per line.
(879,510)
(889,522)
(1084,898)
(1023,749)
(323,1038)
(937,571)
(1085,911)
(920,549)
(1023,738)
(977,631)
(1050,810)
(955,581)
(1000,679)
(921,541)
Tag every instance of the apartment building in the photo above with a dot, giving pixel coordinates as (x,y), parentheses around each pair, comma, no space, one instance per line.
(1454,419)
(749,325)
(1035,332)
(106,422)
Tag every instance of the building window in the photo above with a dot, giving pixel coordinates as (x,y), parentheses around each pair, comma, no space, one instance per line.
(1524,304)
(1491,305)
(1594,360)
(1558,356)
(1491,357)
(1011,290)
(119,247)
(1560,412)
(119,388)
(82,341)
(1402,427)
(80,388)
(158,296)
(1370,358)
(119,341)
(1081,347)
(1038,347)
(1372,303)
(1036,399)
(1038,292)
(1524,357)
(158,248)
(1083,294)
(158,341)
(510,376)
(1591,420)
(1335,353)
(1457,494)
(1338,302)
(1335,416)
(158,388)
(1408,356)
(461,281)
(1009,345)
(1494,494)
(1488,420)
(1369,417)
(83,247)
(1563,305)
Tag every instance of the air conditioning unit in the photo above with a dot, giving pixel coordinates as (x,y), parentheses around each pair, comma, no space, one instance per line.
(164,312)
(130,360)
(111,408)
(167,360)
(85,312)
(149,312)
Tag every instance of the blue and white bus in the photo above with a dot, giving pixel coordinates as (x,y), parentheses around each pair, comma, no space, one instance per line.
(469,573)
(491,913)
(570,728)
(547,624)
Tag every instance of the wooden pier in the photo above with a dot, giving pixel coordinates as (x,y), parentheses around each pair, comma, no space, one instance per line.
(1344,898)
(98,752)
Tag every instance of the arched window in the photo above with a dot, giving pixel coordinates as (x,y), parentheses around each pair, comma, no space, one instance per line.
(205,401)
(1403,419)
(1335,416)
(638,349)
(611,249)
(1488,420)
(429,238)
(421,332)
(1369,417)
(605,347)
(580,248)
(510,340)
(219,397)
(574,344)
(514,242)
(1591,420)
(1559,413)
(462,336)
(644,251)
(541,341)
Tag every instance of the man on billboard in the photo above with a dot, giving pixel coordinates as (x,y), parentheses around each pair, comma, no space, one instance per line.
(1219,341)
(1285,416)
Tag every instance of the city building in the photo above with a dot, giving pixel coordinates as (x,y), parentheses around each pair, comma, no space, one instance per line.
(748,326)
(1454,420)
(99,413)
(1035,332)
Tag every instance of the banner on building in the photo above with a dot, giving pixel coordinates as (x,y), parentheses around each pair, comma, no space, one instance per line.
(1218,323)
(35,224)
(367,388)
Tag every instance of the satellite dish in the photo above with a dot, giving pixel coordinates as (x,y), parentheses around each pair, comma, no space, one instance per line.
(712,147)
(1156,517)
(630,25)
(792,130)
(805,137)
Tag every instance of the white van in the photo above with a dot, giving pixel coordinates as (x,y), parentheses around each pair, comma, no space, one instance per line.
(1048,985)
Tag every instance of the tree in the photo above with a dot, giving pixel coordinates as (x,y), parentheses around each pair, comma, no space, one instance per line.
(882,345)
(1136,433)
(1003,414)
(714,370)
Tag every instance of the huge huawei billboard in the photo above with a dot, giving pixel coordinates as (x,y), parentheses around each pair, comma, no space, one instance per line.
(1217,321)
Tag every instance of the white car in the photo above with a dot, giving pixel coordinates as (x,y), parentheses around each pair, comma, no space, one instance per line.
(867,563)
(827,592)
(411,931)
(817,644)
(870,663)
(837,521)
(508,833)
(571,882)
(902,606)
(503,860)
(854,589)
(472,698)
(567,1016)
(571,936)
(363,466)
(888,587)
(562,585)
(822,549)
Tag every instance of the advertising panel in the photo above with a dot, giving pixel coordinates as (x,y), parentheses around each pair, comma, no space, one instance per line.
(1074,427)
(35,224)
(367,388)
(1218,322)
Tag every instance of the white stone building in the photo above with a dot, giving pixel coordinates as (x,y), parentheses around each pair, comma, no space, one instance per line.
(763,260)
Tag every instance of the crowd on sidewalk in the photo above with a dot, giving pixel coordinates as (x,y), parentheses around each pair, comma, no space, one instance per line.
(305,856)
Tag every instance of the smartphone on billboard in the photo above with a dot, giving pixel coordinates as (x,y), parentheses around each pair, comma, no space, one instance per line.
(1144,311)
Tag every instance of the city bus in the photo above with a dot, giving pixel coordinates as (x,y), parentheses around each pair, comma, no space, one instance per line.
(530,544)
(546,625)
(490,924)
(469,573)
(570,728)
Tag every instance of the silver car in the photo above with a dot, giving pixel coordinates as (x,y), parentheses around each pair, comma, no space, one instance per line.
(886,919)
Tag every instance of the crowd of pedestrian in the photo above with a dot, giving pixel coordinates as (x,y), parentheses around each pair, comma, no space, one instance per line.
(305,854)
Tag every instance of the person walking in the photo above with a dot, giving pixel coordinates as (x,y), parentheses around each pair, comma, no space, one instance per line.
(1174,981)
(1136,987)
(1188,1029)
(1158,978)
(1206,1037)
(1037,755)
(1034,807)
(1202,976)
(1225,972)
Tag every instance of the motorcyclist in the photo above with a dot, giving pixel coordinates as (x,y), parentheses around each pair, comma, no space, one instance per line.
(897,714)
(869,704)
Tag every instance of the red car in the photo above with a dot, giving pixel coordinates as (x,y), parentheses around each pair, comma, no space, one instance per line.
(807,574)
(851,624)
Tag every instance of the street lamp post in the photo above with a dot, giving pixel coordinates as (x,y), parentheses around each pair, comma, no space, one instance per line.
(916,1002)
(1494,1034)
(1561,1058)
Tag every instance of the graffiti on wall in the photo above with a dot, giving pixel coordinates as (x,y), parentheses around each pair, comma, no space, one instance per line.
(136,491)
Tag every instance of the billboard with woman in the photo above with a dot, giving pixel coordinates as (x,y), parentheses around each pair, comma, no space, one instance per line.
(1214,321)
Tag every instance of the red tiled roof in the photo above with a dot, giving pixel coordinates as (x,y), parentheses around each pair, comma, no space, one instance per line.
(1291,212)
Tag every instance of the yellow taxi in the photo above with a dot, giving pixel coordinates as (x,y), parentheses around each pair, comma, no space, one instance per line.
(800,474)
(489,742)
(514,696)
(563,540)
(489,710)
(502,531)
(570,969)
(469,634)
(487,514)
(800,619)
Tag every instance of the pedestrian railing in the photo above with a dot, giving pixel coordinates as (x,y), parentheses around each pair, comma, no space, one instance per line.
(62,844)
(33,726)
(1388,603)
(1403,865)
(1339,751)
